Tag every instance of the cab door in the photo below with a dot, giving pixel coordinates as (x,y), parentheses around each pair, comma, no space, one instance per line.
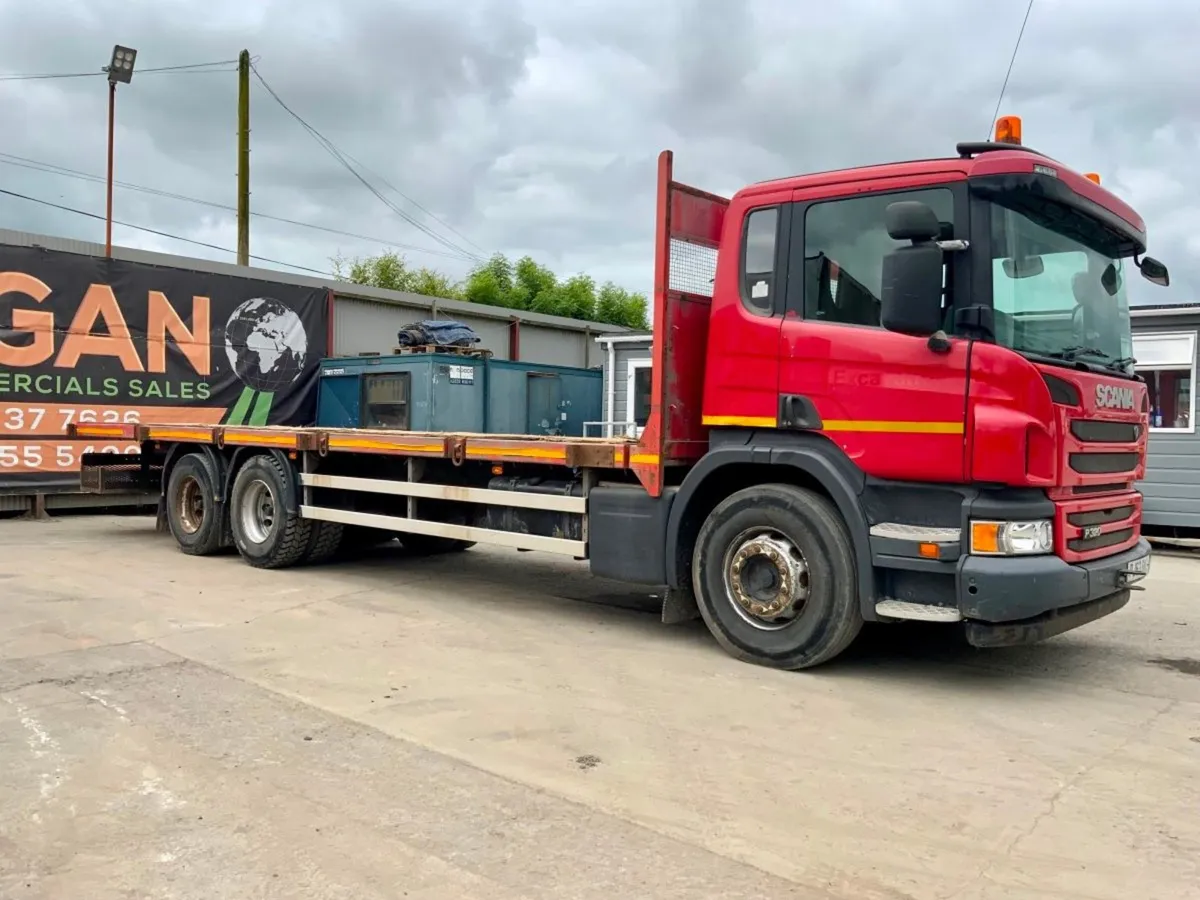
(741,377)
(896,406)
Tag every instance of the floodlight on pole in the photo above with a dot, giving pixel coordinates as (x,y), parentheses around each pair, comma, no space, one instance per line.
(120,71)
(121,68)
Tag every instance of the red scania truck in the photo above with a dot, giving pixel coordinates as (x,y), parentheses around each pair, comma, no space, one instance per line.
(895,392)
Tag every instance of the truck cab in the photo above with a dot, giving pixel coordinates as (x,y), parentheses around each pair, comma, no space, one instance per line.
(942,349)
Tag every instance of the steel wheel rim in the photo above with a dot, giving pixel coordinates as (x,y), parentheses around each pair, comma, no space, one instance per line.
(190,508)
(258,512)
(766,578)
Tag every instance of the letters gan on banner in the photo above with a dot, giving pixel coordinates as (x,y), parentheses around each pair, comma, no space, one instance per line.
(87,339)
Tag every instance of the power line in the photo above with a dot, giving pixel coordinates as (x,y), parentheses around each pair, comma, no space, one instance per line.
(174,237)
(397,190)
(1012,59)
(191,67)
(338,155)
(52,169)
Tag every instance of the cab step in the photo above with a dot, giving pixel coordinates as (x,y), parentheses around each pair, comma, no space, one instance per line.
(920,612)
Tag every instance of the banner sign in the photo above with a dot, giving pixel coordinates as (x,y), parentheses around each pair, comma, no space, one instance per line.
(88,339)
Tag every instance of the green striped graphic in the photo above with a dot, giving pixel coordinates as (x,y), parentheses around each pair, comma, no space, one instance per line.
(262,408)
(237,415)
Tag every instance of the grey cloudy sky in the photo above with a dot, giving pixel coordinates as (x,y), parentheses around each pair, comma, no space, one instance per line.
(533,125)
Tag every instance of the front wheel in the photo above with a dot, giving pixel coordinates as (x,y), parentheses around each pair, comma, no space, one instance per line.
(775,579)
(266,534)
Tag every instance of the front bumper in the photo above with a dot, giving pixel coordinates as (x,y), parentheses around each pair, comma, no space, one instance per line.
(1015,600)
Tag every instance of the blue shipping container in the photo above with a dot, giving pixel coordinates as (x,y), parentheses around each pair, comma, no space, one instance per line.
(531,398)
(449,392)
(421,392)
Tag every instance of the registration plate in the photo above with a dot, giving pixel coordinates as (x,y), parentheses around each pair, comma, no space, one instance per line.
(1139,566)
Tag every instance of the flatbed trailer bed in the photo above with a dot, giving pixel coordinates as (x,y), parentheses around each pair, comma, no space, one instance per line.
(443,486)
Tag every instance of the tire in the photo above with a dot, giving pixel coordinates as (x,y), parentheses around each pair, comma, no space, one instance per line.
(324,542)
(770,524)
(265,534)
(430,545)
(195,519)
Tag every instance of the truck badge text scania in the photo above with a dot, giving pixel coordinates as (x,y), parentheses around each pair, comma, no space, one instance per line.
(1109,396)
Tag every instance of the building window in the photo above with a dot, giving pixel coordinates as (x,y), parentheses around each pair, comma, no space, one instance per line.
(845,242)
(1168,363)
(758,260)
(637,395)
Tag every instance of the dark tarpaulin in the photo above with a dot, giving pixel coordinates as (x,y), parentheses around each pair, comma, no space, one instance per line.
(437,332)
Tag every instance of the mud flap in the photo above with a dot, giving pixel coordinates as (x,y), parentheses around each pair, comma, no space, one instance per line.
(679,605)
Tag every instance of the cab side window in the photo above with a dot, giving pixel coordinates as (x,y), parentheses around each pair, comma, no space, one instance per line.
(759,238)
(845,242)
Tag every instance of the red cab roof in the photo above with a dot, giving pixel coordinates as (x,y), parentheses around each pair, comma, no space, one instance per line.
(994,162)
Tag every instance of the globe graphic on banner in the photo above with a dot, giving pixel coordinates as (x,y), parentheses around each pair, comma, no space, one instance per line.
(266,344)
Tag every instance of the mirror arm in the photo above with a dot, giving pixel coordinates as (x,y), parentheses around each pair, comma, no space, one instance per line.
(939,343)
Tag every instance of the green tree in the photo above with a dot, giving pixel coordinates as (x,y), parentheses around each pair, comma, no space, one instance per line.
(391,271)
(617,306)
(491,283)
(497,281)
(578,298)
(531,280)
(429,283)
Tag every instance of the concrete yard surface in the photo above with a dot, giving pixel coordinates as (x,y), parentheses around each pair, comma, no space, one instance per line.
(501,725)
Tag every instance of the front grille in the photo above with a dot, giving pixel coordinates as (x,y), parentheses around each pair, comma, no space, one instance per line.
(1106,432)
(1099,488)
(1100,516)
(1083,545)
(1062,392)
(1103,463)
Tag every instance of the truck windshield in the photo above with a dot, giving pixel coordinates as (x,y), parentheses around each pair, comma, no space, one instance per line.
(1056,297)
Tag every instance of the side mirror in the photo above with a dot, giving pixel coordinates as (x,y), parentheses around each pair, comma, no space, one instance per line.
(911,295)
(1154,271)
(911,220)
(1023,266)
(911,291)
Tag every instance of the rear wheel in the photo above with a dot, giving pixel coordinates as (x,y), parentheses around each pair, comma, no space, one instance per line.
(775,579)
(195,518)
(265,533)
(324,542)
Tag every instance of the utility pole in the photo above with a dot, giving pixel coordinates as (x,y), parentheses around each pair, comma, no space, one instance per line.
(243,172)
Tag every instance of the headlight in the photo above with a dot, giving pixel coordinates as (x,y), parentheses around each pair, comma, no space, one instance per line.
(1012,538)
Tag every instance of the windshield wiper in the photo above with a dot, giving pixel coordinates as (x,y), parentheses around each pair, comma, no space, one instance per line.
(1073,353)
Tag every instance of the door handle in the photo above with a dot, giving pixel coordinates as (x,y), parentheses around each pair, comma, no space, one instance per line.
(797,411)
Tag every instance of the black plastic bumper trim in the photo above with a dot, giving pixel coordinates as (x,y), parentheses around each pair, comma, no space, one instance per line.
(1016,589)
(989,635)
